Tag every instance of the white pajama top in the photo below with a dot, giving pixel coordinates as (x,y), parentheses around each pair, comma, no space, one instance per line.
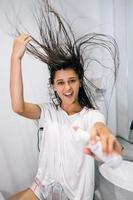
(62,160)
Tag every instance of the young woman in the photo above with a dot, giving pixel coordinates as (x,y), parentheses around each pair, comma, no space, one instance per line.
(66,167)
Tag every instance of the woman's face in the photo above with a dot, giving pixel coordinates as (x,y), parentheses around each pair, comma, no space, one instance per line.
(66,84)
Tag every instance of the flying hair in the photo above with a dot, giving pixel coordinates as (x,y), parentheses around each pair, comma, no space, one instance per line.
(59,48)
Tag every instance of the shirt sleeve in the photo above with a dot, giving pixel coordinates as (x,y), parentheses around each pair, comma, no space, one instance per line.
(95,116)
(39,122)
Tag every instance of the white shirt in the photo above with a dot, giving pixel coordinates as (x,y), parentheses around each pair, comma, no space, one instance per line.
(62,159)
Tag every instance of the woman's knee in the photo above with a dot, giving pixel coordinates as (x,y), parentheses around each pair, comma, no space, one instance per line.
(27,194)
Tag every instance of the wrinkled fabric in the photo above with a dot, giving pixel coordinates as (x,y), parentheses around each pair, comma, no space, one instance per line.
(54,191)
(62,161)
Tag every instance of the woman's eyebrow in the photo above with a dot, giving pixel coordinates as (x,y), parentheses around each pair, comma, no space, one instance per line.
(59,80)
(68,78)
(73,77)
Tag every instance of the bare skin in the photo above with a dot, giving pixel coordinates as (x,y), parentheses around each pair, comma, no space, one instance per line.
(24,195)
(66,84)
(19,106)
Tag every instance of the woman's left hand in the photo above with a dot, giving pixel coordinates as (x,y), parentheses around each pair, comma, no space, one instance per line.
(109,142)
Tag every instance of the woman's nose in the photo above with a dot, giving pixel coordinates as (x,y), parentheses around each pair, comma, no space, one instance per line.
(67,86)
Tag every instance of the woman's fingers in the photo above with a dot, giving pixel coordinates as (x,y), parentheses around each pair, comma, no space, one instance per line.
(114,145)
(27,38)
(24,38)
(118,147)
(99,132)
(20,44)
(109,142)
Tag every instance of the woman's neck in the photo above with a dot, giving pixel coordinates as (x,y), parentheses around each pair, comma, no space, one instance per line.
(71,109)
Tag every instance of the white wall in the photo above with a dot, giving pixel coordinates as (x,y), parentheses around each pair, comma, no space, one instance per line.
(129,8)
(18,138)
(123,26)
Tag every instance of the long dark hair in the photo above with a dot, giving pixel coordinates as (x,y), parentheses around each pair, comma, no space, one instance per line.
(58,47)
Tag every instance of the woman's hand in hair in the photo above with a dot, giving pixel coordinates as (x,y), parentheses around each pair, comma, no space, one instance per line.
(19,45)
(109,142)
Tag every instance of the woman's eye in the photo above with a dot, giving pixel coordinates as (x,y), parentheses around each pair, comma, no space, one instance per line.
(60,83)
(72,81)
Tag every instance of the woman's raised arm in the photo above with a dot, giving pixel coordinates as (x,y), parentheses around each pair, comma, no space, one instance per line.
(19,106)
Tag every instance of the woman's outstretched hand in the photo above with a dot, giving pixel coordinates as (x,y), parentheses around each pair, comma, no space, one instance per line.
(19,45)
(109,142)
